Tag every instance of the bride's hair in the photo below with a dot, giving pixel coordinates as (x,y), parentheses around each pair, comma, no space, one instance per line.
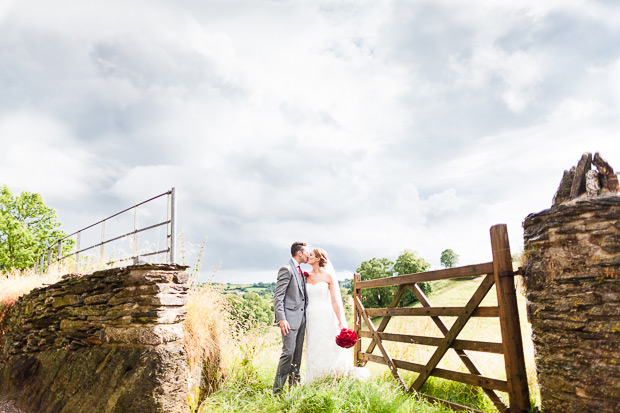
(321,255)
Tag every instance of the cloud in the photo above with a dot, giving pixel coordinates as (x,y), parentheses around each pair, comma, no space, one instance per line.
(518,73)
(362,127)
(39,154)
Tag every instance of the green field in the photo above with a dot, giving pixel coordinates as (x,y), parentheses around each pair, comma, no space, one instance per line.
(262,289)
(251,375)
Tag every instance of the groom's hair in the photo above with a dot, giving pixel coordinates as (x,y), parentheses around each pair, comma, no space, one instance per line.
(297,246)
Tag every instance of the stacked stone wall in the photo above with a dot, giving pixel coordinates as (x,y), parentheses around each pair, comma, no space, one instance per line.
(111,341)
(572,271)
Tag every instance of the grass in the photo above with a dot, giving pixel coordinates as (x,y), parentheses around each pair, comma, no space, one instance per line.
(335,395)
(15,283)
(239,366)
(206,333)
(454,293)
(248,386)
(248,389)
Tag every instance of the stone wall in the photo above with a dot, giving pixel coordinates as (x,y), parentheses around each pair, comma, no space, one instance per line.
(111,341)
(572,271)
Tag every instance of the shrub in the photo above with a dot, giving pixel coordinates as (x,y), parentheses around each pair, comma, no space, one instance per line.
(15,283)
(250,310)
(207,333)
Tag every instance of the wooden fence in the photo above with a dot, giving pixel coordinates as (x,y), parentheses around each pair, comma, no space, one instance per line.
(498,272)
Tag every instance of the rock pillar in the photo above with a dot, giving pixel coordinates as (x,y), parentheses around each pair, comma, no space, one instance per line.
(572,271)
(111,341)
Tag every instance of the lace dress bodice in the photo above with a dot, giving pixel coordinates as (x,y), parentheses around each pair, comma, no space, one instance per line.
(318,294)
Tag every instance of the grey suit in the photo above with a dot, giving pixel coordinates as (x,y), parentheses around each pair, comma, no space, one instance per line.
(289,303)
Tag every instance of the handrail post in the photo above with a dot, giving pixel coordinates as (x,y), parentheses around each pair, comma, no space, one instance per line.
(518,391)
(77,254)
(102,240)
(357,323)
(59,255)
(173,226)
(49,258)
(135,235)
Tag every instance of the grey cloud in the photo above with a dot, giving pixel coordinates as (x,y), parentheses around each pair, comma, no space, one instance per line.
(346,125)
(296,114)
(450,120)
(153,63)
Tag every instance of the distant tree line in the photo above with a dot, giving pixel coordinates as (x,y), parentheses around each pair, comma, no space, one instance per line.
(408,262)
(252,304)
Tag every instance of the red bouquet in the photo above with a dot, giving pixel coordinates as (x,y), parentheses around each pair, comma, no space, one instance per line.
(306,274)
(347,338)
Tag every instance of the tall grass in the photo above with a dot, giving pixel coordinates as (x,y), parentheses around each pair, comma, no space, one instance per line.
(248,388)
(13,284)
(238,365)
(250,370)
(457,293)
(207,334)
(253,360)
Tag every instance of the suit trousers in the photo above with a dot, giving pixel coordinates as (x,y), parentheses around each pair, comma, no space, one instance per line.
(290,360)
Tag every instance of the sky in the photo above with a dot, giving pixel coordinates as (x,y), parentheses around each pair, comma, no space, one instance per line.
(362,127)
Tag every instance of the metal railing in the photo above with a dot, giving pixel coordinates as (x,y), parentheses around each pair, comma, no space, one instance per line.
(170,237)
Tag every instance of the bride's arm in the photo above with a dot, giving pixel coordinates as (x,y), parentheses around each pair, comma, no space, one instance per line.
(336,301)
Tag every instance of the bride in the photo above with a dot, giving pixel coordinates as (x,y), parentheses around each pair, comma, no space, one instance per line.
(324,320)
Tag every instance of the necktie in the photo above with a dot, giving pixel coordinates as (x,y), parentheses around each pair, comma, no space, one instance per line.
(300,273)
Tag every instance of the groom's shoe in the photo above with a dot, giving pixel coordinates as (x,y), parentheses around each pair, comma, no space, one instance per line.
(293,379)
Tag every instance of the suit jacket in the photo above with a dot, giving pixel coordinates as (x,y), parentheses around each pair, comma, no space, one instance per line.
(289,298)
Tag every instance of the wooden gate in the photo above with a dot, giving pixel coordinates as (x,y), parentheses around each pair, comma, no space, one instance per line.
(498,272)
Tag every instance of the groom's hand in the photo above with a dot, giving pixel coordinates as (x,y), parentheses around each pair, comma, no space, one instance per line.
(284,327)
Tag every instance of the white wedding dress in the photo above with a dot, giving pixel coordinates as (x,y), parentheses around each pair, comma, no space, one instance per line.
(323,356)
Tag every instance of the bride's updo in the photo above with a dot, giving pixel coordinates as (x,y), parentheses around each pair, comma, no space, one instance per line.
(321,255)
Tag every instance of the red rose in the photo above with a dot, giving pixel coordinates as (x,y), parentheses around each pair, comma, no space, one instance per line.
(347,338)
(306,274)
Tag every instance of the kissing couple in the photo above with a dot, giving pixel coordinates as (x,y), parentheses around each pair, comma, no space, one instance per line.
(310,304)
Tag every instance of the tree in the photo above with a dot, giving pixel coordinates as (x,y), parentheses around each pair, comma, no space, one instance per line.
(371,270)
(250,310)
(27,228)
(449,258)
(407,263)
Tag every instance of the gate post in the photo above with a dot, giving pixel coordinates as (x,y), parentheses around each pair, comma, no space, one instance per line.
(357,322)
(509,321)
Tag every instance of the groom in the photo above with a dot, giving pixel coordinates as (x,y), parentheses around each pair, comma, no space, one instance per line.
(289,304)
